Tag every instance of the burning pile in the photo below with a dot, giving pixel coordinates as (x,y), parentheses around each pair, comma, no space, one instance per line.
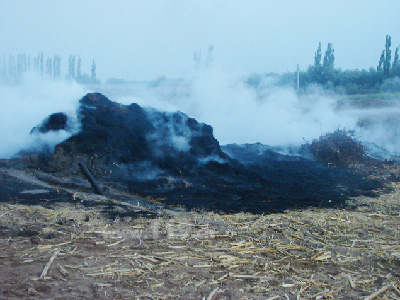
(119,139)
(177,160)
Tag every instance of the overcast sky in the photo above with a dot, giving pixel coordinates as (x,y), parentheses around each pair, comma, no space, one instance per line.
(145,39)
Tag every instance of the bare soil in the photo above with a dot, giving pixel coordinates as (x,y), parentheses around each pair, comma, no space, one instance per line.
(60,241)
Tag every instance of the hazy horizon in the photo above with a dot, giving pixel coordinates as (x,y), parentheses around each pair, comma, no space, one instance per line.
(142,40)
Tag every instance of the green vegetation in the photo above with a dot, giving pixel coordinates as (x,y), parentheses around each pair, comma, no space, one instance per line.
(384,78)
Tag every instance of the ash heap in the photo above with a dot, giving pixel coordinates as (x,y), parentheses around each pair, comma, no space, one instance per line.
(177,160)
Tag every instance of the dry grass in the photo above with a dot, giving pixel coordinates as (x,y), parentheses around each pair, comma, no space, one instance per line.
(74,252)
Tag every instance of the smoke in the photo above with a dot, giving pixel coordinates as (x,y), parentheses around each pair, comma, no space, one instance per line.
(271,114)
(239,113)
(171,130)
(379,129)
(26,105)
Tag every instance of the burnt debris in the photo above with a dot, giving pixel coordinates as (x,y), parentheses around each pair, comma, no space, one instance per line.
(55,122)
(174,158)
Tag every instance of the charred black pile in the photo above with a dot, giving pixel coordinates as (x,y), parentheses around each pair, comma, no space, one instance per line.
(121,139)
(172,157)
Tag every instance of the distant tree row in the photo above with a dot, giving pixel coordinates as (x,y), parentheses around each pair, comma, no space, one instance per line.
(75,72)
(13,69)
(354,81)
(385,77)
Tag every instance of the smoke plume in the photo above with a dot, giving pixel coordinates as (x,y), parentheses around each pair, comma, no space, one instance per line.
(269,114)
(26,105)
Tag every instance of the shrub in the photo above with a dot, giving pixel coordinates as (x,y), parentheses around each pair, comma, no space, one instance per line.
(340,148)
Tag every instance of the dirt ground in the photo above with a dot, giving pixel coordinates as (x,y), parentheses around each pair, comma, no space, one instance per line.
(60,241)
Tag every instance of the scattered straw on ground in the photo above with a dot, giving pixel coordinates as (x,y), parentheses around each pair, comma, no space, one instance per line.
(73,252)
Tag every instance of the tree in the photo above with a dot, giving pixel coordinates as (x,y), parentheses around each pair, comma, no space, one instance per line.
(323,73)
(379,68)
(396,63)
(317,57)
(71,68)
(386,56)
(396,56)
(49,67)
(20,65)
(316,70)
(36,61)
(197,58)
(386,66)
(93,72)
(210,56)
(41,64)
(329,57)
(78,69)
(25,62)
(56,67)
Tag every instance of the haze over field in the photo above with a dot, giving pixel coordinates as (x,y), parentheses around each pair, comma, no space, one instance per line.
(211,45)
(138,40)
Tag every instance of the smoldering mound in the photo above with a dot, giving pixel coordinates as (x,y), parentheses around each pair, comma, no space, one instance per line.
(128,141)
(174,158)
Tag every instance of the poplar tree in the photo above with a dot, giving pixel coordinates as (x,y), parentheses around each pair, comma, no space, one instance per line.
(41,64)
(20,65)
(316,69)
(56,67)
(387,63)
(396,57)
(78,69)
(396,63)
(329,57)
(381,62)
(317,57)
(93,72)
(49,67)
(71,69)
(386,57)
(36,61)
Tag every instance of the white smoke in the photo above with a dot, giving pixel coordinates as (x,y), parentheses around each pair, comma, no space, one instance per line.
(169,131)
(26,105)
(271,114)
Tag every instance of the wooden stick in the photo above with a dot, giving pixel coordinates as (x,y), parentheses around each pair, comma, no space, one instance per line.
(48,265)
(377,293)
(90,178)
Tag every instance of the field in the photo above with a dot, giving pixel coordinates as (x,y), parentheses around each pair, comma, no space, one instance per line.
(60,241)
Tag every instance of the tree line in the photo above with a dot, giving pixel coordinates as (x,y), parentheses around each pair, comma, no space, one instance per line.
(13,68)
(384,77)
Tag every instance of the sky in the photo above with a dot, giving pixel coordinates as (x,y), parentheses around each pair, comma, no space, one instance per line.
(142,40)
